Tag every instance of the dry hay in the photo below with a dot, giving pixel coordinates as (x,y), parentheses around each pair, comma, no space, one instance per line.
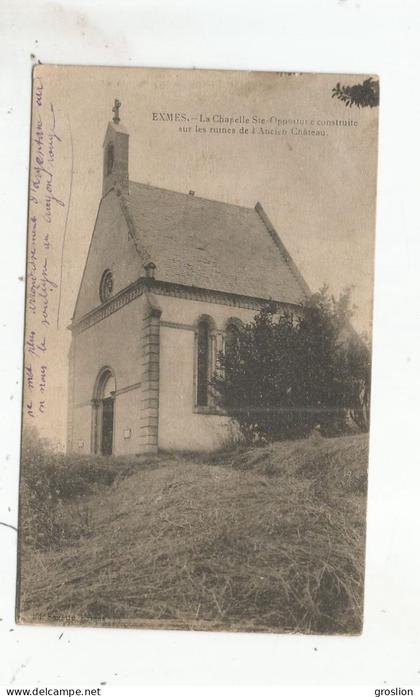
(268,539)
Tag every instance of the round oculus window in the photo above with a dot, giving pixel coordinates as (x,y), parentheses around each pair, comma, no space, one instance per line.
(106,286)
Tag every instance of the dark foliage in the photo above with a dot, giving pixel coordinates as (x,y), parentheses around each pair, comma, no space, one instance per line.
(364,95)
(287,375)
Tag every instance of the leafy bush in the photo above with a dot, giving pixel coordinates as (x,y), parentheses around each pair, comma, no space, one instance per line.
(365,94)
(288,374)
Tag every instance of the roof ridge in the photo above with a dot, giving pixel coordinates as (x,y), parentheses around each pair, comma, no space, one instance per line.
(140,248)
(282,248)
(190,196)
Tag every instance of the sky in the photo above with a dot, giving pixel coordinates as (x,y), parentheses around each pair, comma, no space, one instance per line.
(318,190)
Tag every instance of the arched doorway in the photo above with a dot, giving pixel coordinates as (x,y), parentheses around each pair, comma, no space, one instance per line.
(103,413)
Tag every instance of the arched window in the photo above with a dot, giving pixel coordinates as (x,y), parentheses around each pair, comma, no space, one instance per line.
(106,285)
(203,363)
(109,158)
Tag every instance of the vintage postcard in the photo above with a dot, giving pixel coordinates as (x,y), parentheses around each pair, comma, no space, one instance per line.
(197,349)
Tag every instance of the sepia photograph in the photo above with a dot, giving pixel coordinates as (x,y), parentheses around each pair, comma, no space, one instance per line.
(197,351)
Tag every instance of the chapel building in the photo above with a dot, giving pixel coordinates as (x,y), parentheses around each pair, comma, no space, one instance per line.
(169,278)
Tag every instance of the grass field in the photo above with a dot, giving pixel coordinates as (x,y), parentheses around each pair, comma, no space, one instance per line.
(262,539)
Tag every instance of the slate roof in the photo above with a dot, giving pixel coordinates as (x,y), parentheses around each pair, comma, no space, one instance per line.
(213,245)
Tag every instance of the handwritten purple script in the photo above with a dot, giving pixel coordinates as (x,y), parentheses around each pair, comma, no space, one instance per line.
(46,210)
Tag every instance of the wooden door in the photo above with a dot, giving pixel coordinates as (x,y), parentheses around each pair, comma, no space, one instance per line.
(107,425)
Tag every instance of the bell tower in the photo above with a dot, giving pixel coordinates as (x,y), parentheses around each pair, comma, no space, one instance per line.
(115,155)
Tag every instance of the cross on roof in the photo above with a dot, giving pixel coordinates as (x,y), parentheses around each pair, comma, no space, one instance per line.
(116,110)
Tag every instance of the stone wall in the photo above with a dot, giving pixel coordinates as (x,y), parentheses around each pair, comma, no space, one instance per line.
(183,425)
(114,342)
(150,345)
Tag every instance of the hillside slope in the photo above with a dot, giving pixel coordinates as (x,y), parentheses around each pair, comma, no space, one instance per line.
(267,539)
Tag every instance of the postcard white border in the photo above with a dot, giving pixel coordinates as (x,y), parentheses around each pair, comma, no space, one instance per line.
(329,36)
